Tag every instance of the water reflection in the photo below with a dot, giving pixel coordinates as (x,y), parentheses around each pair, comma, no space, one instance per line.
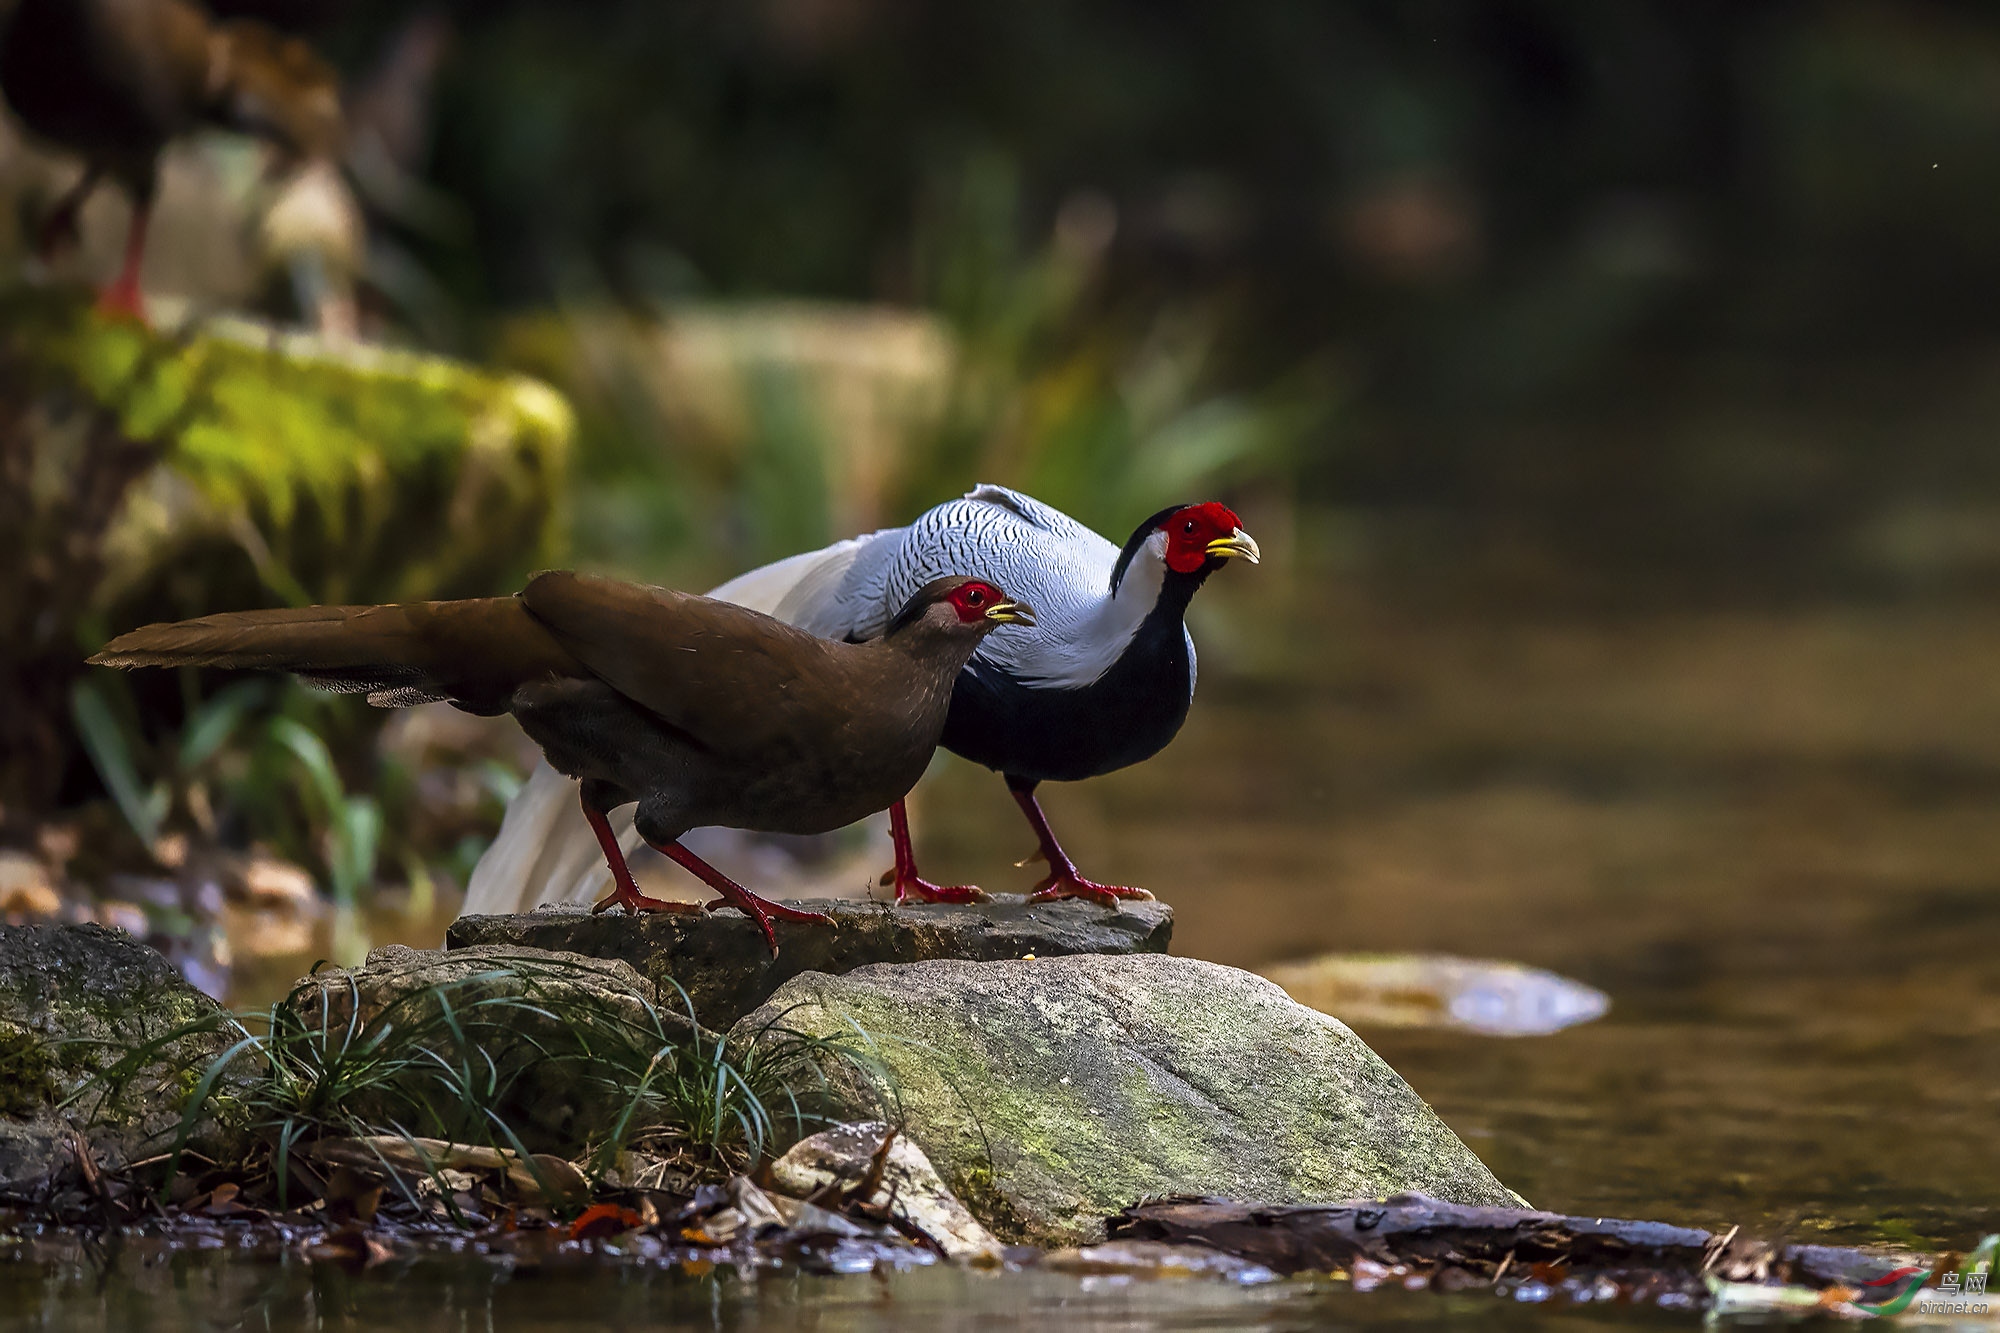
(1438,991)
(131,1286)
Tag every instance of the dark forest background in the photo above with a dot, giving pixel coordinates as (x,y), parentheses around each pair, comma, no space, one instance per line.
(1697,294)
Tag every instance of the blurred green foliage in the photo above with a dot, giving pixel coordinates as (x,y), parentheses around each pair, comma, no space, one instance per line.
(715,436)
(150,784)
(270,468)
(341,473)
(249,764)
(353,834)
(798,146)
(1530,243)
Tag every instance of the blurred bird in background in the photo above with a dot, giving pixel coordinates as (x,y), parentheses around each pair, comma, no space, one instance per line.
(115,81)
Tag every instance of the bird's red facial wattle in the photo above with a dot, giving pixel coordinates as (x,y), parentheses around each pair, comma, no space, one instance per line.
(977,600)
(1199,533)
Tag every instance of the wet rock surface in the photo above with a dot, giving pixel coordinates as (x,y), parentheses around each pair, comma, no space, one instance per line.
(727,969)
(397,972)
(1052,1092)
(72,1000)
(1413,1242)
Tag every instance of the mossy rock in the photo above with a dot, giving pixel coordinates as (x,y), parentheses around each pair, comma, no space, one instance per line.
(1053,1092)
(26,1067)
(363,473)
(75,1001)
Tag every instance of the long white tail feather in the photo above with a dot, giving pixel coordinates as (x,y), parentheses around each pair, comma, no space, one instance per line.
(789,583)
(545,851)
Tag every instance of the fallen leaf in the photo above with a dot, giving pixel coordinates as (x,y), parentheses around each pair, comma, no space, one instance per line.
(603,1220)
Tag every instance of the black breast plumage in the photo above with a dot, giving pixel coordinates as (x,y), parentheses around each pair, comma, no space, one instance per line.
(1067,734)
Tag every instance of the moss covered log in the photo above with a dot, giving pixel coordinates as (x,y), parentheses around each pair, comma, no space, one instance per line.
(154,474)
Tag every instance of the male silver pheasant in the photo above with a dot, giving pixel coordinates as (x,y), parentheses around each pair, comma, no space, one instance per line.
(1102,679)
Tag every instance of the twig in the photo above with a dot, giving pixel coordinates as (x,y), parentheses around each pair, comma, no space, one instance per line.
(1501,1271)
(93,1178)
(871,1180)
(1718,1245)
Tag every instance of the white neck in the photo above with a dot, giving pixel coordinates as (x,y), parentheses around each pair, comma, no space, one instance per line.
(1078,652)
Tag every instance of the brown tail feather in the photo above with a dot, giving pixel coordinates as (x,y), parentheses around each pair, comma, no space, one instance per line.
(474,652)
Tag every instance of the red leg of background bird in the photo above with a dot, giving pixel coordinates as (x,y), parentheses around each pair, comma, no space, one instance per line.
(60,229)
(761,910)
(1063,881)
(626,894)
(122,297)
(909,884)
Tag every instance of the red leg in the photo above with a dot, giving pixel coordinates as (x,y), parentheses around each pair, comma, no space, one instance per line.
(626,894)
(909,884)
(1062,880)
(123,297)
(761,910)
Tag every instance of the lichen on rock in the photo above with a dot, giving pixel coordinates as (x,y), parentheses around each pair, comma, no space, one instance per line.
(25,1067)
(97,1033)
(1053,1092)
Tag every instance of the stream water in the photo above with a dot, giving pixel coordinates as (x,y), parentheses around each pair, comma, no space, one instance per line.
(206,1291)
(1770,838)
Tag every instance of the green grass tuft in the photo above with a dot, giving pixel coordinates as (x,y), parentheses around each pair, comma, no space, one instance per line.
(474,1060)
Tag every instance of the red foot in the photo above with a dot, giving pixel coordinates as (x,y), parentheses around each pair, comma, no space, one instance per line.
(761,910)
(123,298)
(636,902)
(1062,881)
(909,884)
(1069,884)
(626,894)
(913,885)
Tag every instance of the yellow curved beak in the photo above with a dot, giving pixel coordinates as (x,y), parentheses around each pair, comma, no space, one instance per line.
(1238,542)
(1011,613)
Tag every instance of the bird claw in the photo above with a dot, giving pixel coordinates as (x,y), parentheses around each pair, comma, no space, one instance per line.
(1074,885)
(915,886)
(635,902)
(764,911)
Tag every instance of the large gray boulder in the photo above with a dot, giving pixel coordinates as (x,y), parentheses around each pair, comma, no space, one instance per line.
(73,1001)
(725,966)
(1053,1092)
